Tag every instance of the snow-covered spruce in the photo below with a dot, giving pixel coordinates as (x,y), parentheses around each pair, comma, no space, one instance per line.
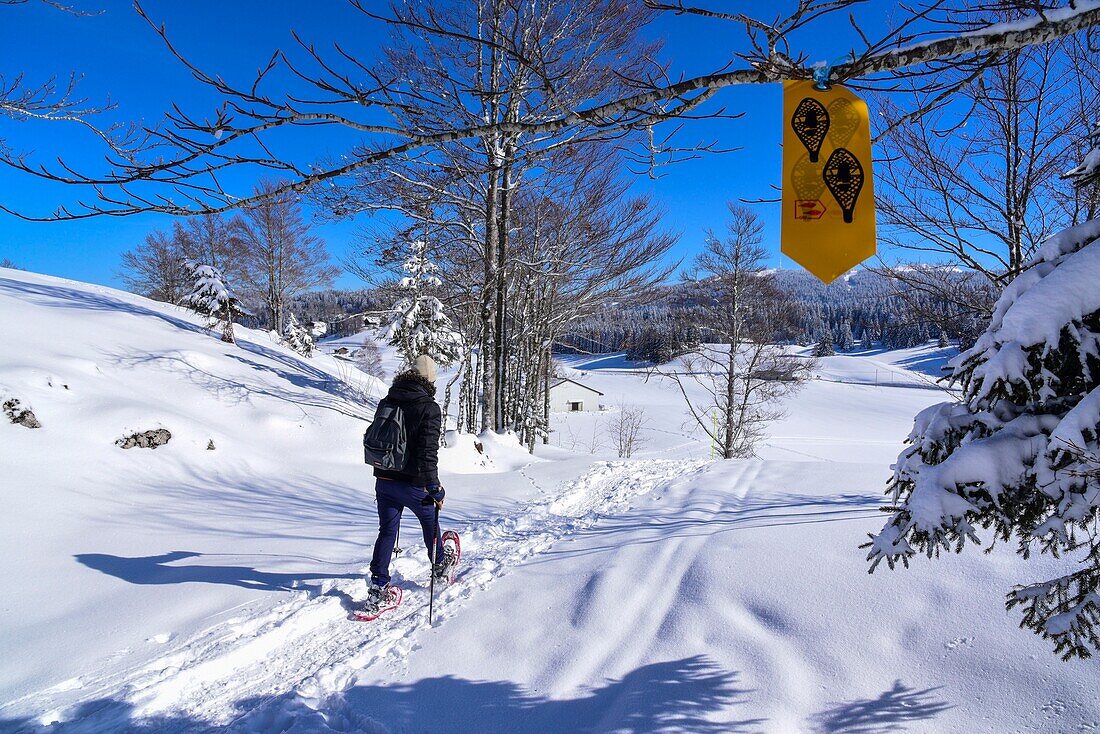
(298,337)
(1019,454)
(419,324)
(824,347)
(211,296)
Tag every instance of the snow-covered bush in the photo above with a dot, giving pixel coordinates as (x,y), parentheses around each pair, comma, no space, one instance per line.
(211,296)
(298,337)
(1019,454)
(419,324)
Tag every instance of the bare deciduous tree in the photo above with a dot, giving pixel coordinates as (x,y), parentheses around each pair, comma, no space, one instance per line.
(626,427)
(974,180)
(740,369)
(280,258)
(211,239)
(157,268)
(977,181)
(368,358)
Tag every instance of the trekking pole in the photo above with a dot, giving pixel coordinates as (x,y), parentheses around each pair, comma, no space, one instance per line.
(431,584)
(397,543)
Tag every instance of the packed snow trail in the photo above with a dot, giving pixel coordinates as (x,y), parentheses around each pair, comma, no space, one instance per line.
(731,599)
(233,672)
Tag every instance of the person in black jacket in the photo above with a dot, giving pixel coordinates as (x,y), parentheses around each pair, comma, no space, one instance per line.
(417,487)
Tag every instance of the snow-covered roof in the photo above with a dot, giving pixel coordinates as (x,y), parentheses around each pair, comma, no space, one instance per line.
(559,380)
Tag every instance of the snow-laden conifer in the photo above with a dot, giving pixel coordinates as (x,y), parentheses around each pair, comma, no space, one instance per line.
(1018,455)
(845,341)
(211,296)
(298,337)
(419,324)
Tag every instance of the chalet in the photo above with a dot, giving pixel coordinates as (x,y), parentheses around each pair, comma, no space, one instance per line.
(570,396)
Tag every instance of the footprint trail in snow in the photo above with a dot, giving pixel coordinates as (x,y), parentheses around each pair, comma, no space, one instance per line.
(288,661)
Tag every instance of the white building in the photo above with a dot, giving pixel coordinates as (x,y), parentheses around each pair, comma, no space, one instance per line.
(570,396)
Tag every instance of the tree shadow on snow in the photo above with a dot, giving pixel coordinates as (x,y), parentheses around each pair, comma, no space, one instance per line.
(300,508)
(57,296)
(316,388)
(690,695)
(765,512)
(883,715)
(933,364)
(156,570)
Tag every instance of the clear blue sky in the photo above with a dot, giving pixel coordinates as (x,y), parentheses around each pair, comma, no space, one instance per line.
(121,58)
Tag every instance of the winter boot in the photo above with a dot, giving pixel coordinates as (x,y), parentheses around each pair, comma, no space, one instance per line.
(379,599)
(444,568)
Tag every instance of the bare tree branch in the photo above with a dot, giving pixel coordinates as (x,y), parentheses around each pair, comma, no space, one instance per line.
(184,178)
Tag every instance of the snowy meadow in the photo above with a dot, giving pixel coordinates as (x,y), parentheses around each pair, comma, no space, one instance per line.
(273,274)
(192,588)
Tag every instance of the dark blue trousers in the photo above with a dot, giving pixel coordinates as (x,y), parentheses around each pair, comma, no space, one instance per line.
(393,497)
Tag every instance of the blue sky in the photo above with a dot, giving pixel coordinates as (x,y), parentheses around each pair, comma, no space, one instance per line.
(122,59)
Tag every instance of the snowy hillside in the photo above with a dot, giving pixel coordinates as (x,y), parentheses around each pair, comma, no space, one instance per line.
(190,589)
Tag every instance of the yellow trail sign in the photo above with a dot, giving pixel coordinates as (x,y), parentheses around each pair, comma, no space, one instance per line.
(828,187)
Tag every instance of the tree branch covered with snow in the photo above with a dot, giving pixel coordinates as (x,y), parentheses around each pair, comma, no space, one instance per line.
(1017,456)
(1088,172)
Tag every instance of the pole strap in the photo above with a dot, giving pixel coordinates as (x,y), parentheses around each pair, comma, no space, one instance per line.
(824,70)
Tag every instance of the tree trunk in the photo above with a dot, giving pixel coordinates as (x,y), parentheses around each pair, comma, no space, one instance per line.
(500,354)
(488,339)
(731,393)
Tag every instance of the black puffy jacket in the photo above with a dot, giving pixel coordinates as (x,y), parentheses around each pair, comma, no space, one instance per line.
(423,422)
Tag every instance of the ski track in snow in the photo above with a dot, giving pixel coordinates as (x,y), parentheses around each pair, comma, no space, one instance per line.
(308,648)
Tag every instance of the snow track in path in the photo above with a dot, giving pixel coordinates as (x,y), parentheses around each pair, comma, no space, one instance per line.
(284,663)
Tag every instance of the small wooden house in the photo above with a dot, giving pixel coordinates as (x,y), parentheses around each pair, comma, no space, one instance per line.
(570,396)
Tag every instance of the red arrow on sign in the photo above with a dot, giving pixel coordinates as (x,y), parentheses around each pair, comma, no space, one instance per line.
(808,209)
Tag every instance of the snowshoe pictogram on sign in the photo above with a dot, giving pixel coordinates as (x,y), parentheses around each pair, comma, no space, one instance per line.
(844,178)
(811,123)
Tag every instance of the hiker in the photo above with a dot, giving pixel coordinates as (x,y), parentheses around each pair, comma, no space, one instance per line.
(416,486)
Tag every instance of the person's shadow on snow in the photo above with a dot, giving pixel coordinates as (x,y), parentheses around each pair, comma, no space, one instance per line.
(152,570)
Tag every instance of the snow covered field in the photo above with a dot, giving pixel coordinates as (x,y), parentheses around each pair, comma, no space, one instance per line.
(187,589)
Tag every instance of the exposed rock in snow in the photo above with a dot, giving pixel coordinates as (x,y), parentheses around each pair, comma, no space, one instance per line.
(19,415)
(146,439)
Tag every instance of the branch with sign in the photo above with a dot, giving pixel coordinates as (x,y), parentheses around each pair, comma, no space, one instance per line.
(828,220)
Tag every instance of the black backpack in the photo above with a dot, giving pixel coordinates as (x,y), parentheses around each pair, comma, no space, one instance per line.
(385,444)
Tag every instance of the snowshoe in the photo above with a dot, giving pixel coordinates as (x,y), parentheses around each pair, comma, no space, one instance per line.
(444,570)
(380,599)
